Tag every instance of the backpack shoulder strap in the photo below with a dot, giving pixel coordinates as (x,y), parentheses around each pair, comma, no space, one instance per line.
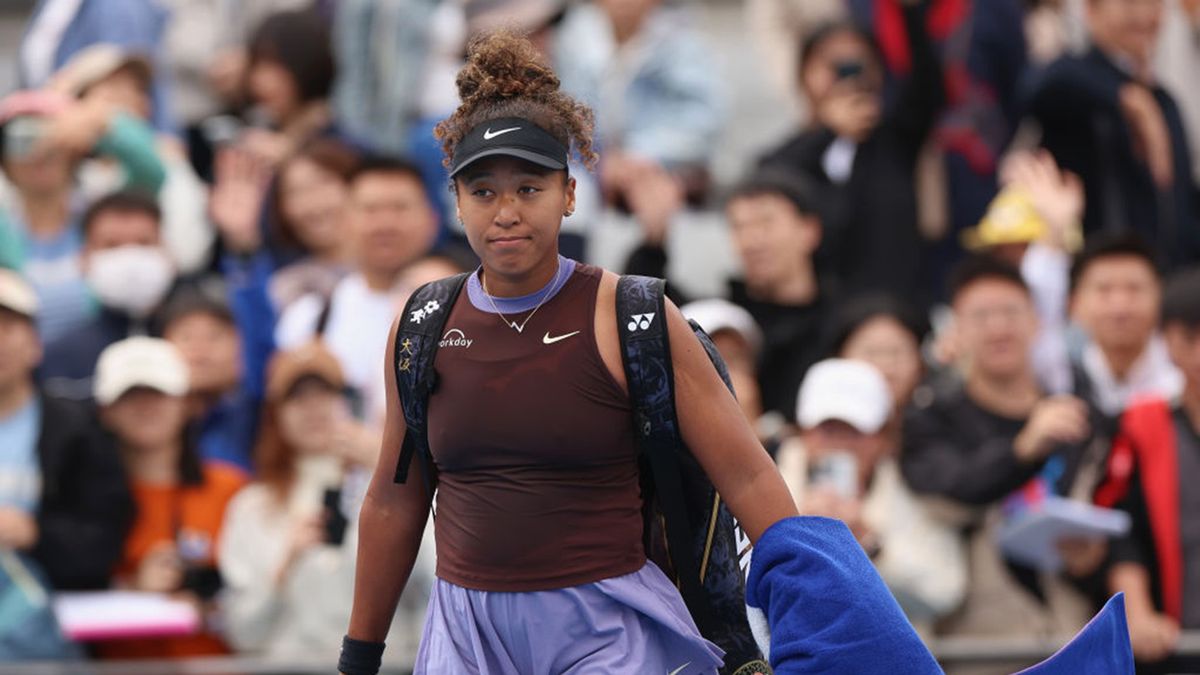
(420,327)
(646,354)
(713,355)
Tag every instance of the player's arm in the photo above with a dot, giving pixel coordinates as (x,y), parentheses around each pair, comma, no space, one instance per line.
(390,526)
(721,437)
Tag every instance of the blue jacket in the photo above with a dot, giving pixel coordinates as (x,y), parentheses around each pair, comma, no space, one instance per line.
(229,430)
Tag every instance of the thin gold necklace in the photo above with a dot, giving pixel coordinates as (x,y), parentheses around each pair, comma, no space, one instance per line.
(520,328)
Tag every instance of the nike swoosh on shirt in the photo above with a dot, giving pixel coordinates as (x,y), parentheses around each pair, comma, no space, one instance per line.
(680,668)
(488,134)
(547,340)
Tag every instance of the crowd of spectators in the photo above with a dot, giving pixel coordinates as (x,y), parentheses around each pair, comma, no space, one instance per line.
(967,283)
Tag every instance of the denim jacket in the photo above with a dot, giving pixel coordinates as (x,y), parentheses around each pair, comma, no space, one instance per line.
(658,96)
(382,48)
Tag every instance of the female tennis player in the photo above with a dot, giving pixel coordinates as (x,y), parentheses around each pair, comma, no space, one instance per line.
(538,534)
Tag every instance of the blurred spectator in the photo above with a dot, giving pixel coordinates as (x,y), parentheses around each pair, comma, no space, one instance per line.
(225,375)
(1176,61)
(778,27)
(981,49)
(289,78)
(140,386)
(975,444)
(886,333)
(122,79)
(59,29)
(883,331)
(1155,459)
(205,57)
(391,225)
(1105,117)
(129,273)
(863,157)
(776,230)
(1115,298)
(309,213)
(300,229)
(841,467)
(288,545)
(1034,224)
(739,341)
(44,139)
(64,500)
(983,53)
(305,215)
(649,77)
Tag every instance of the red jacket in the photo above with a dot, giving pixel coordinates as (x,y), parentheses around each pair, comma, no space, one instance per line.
(1146,440)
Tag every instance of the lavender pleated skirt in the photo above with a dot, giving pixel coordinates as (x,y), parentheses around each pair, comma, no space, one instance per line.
(636,623)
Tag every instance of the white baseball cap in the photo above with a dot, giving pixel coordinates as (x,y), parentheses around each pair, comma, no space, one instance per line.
(850,391)
(139,362)
(716,314)
(17,295)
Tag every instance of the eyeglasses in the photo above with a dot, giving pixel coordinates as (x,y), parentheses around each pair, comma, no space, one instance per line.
(1007,313)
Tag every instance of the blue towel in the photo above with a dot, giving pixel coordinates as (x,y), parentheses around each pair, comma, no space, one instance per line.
(829,612)
(827,608)
(1101,648)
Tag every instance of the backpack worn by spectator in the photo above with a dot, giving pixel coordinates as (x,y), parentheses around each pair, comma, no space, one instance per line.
(688,531)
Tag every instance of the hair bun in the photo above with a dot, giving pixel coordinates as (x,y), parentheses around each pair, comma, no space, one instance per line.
(506,76)
(504,65)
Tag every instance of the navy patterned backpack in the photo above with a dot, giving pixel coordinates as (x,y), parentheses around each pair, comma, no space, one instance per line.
(688,531)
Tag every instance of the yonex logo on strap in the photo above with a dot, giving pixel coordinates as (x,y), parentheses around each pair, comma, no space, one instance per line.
(640,322)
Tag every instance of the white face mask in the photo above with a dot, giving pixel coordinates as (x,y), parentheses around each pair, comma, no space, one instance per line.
(131,279)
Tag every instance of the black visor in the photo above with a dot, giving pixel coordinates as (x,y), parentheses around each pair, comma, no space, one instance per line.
(512,137)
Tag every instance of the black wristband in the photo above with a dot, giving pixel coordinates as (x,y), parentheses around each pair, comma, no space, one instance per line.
(360,658)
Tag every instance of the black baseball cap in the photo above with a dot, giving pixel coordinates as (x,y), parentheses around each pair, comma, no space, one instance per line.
(512,137)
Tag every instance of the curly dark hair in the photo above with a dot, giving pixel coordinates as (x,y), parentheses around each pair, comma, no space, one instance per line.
(506,76)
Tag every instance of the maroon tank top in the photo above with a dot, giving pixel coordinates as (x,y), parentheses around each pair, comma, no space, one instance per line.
(533,441)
